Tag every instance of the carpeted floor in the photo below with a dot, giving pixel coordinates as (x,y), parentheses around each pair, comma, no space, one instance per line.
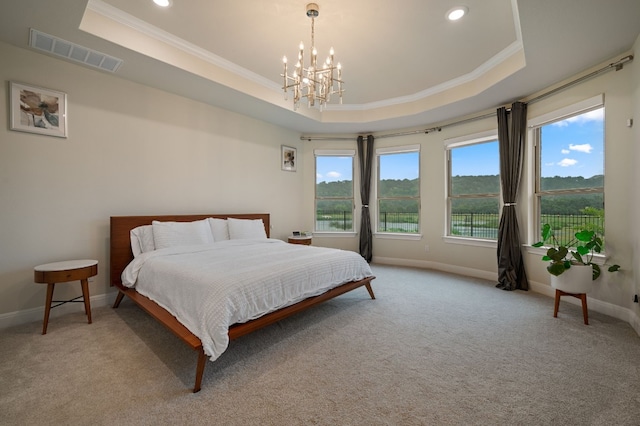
(432,349)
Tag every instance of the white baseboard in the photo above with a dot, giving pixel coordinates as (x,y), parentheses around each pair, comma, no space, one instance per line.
(11,319)
(615,311)
(425,264)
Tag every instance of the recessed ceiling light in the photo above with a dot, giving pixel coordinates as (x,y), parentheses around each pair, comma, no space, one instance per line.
(457,13)
(163,3)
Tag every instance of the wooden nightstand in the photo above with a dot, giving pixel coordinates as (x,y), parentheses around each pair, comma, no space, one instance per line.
(62,272)
(300,240)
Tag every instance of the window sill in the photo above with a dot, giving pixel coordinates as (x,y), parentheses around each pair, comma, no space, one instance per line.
(598,259)
(477,242)
(397,236)
(347,234)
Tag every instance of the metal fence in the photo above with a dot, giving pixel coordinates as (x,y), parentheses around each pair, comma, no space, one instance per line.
(327,220)
(389,221)
(398,222)
(473,225)
(476,225)
(565,226)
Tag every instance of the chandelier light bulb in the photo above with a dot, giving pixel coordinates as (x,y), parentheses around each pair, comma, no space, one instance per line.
(284,59)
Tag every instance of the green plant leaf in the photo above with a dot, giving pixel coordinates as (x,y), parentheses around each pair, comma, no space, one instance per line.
(584,235)
(578,257)
(614,268)
(582,250)
(596,271)
(556,268)
(546,232)
(557,254)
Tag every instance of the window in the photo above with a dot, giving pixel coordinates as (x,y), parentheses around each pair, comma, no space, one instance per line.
(473,186)
(398,189)
(334,190)
(569,181)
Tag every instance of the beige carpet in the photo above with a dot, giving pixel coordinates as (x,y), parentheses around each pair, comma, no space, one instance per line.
(433,349)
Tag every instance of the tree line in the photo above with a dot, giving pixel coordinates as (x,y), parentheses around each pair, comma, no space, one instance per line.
(488,184)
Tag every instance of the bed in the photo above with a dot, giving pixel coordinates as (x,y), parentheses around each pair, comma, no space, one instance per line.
(153,281)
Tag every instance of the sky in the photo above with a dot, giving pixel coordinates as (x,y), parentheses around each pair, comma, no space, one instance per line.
(571,147)
(332,169)
(574,147)
(394,166)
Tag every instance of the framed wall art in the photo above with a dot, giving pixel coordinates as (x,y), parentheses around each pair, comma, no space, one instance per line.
(37,110)
(289,158)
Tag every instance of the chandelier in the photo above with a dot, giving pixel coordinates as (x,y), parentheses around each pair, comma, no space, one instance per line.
(315,83)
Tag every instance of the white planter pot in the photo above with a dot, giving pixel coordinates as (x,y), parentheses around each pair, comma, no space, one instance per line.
(577,279)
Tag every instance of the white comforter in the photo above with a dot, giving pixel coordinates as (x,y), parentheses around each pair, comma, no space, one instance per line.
(211,287)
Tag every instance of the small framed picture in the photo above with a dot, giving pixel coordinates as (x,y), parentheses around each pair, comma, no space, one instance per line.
(37,110)
(296,233)
(289,158)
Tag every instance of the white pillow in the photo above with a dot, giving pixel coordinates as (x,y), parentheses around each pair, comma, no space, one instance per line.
(142,239)
(219,229)
(174,234)
(246,228)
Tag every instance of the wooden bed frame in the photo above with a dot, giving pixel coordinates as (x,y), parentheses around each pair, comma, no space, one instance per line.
(121,255)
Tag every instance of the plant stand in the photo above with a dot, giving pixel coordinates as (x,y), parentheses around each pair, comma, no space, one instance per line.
(581,296)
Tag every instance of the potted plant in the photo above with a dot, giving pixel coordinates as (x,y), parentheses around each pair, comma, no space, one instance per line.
(573,259)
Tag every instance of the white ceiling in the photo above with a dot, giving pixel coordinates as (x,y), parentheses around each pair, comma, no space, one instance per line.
(404,64)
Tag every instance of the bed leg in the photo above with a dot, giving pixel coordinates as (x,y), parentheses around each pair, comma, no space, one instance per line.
(119,298)
(202,359)
(370,290)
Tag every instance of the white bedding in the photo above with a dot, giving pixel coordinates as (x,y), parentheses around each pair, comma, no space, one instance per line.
(211,287)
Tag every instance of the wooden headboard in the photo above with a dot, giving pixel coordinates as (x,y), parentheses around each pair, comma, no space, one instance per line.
(120,251)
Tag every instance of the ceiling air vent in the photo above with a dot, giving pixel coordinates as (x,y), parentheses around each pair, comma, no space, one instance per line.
(66,49)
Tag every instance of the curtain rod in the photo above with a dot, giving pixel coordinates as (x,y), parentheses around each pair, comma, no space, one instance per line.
(618,65)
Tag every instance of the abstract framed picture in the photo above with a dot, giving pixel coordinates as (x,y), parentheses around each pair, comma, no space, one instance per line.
(289,158)
(37,110)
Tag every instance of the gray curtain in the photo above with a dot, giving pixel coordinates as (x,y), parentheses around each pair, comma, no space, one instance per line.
(511,273)
(365,157)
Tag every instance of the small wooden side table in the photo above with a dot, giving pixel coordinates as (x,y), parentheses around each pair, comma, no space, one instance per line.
(62,272)
(304,240)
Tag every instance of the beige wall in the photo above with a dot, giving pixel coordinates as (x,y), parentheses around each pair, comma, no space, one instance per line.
(635,178)
(614,293)
(131,150)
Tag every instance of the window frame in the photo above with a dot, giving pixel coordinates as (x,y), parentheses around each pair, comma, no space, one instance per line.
(335,153)
(534,126)
(459,142)
(401,149)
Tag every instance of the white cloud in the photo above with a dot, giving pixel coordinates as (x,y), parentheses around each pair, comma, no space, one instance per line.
(595,115)
(334,175)
(318,176)
(586,148)
(565,151)
(567,162)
